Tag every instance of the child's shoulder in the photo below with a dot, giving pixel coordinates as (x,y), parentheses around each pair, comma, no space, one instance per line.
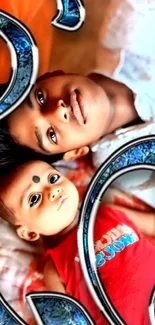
(112,212)
(111,222)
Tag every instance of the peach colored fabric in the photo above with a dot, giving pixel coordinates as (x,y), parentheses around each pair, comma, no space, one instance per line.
(37,16)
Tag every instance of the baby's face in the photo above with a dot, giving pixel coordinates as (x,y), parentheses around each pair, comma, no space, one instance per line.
(41,198)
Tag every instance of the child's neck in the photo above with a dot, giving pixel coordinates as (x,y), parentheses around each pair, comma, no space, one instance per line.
(121,102)
(53,241)
(72,226)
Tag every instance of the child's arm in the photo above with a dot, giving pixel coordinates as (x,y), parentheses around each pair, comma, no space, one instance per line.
(145,221)
(52,279)
(122,100)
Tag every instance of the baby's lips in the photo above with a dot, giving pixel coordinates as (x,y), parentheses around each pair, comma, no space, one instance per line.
(62,200)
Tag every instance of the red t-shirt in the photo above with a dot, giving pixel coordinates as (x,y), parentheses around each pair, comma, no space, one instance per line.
(125,261)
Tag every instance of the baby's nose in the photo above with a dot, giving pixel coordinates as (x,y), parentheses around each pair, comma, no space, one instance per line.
(63,111)
(54,193)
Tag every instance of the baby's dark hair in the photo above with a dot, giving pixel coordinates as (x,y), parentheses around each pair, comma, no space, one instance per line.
(7,214)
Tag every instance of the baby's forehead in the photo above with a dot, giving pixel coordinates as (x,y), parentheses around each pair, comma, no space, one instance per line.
(26,172)
(33,168)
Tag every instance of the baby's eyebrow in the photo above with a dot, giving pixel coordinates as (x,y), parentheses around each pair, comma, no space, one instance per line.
(24,192)
(54,168)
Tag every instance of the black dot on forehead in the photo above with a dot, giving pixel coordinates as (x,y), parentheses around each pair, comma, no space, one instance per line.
(36,179)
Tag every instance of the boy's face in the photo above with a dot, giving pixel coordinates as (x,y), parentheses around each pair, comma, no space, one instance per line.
(62,113)
(42,199)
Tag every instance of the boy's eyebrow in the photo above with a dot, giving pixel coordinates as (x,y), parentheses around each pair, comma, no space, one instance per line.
(29,102)
(40,140)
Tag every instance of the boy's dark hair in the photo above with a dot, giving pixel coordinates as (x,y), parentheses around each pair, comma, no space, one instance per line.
(12,154)
(7,214)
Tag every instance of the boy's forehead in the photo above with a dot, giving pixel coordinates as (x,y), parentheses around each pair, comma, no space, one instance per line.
(49,75)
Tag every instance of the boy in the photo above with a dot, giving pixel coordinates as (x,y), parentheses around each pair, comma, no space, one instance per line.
(113,29)
(65,113)
(47,204)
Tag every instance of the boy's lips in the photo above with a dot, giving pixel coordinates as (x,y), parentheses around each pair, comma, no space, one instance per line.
(78,107)
(62,200)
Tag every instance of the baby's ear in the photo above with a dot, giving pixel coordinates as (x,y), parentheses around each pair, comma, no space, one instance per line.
(76,153)
(24,233)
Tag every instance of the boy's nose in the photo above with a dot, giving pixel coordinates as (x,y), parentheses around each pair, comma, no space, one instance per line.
(54,193)
(63,111)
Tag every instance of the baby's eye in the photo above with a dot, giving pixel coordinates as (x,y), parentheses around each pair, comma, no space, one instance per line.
(35,198)
(52,136)
(54,178)
(40,97)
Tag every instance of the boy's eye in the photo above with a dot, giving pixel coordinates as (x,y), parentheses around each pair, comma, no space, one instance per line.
(54,178)
(52,135)
(35,198)
(40,97)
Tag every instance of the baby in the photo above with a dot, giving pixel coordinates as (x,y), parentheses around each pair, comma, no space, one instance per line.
(38,200)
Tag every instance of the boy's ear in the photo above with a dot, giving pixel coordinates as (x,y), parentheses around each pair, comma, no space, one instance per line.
(76,153)
(24,233)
